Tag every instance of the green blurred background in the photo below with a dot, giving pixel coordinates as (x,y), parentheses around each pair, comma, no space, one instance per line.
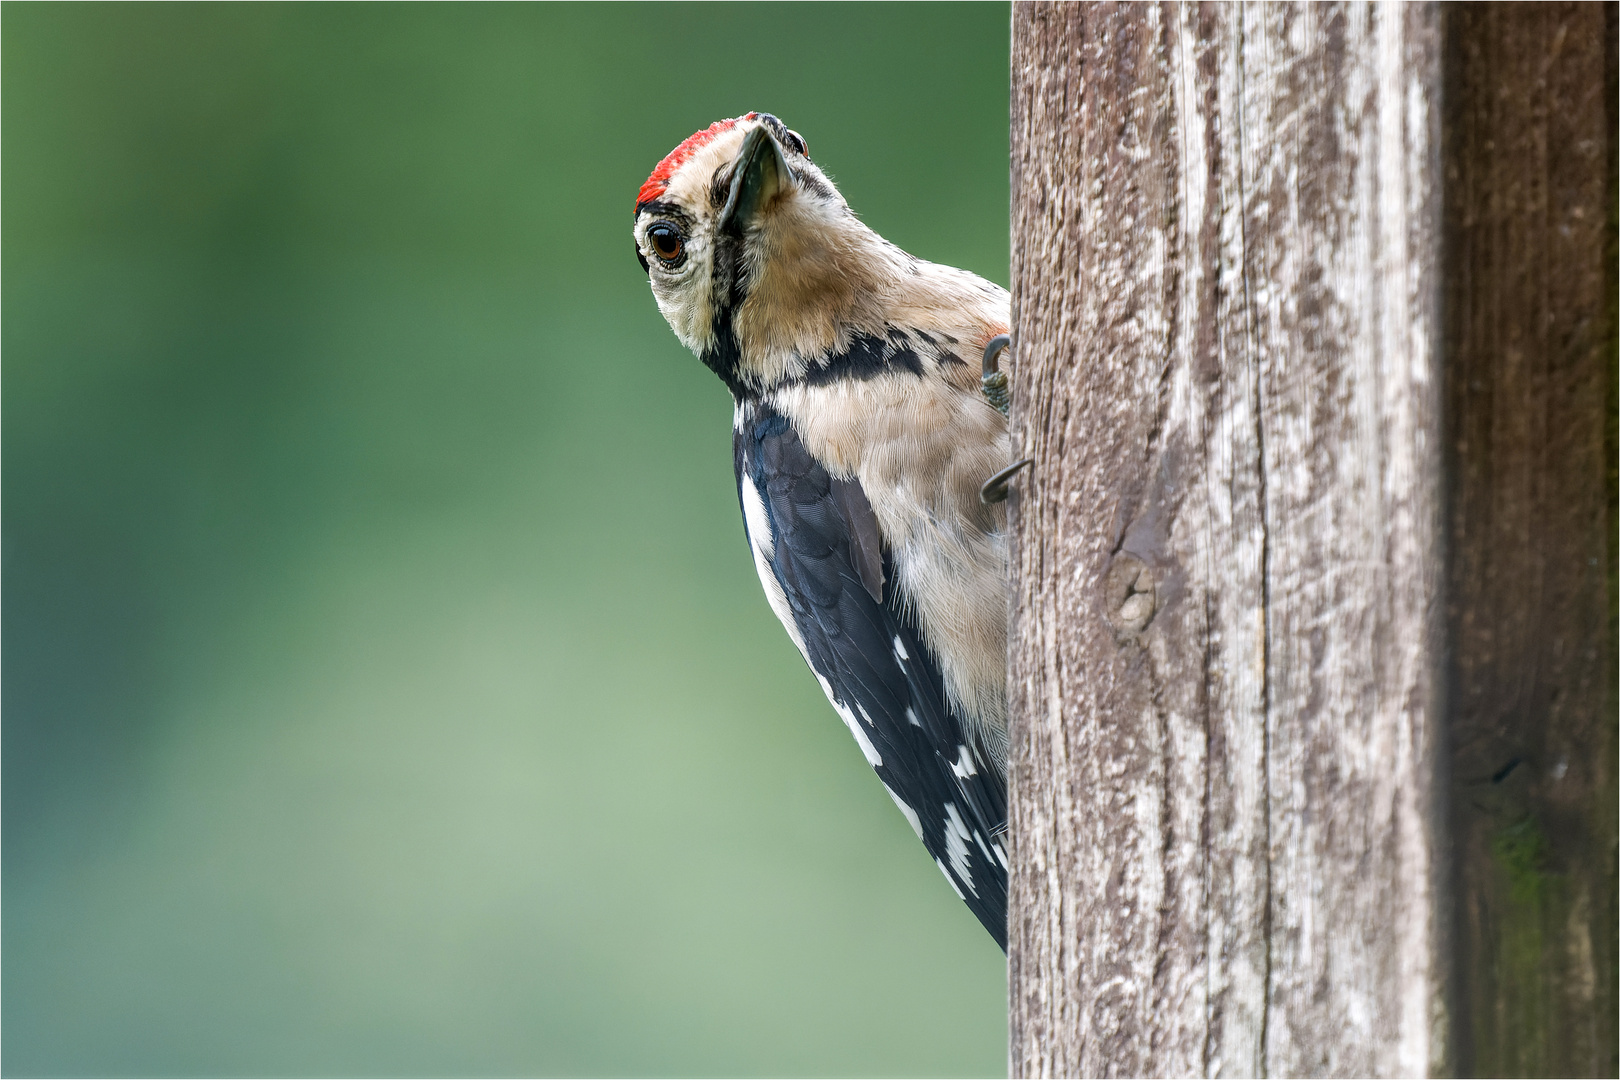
(387,689)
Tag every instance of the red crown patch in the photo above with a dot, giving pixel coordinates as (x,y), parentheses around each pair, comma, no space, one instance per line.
(659,180)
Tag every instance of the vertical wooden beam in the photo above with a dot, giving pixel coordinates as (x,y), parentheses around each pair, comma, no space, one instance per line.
(1224,657)
(1530,341)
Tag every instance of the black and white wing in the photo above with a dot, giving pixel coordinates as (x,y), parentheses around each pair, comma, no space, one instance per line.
(823,565)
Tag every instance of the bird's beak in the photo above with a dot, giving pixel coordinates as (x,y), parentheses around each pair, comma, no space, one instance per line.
(760,173)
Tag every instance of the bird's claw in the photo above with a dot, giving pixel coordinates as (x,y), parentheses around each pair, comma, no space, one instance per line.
(992,381)
(995,488)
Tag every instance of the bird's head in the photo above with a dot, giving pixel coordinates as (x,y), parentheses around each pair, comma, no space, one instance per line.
(755,259)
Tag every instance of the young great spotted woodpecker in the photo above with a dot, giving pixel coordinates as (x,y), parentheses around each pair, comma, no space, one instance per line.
(863,443)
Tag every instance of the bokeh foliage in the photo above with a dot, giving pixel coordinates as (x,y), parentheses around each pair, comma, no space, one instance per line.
(387,689)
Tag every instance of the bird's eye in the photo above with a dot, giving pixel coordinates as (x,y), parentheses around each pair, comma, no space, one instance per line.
(796,141)
(666,242)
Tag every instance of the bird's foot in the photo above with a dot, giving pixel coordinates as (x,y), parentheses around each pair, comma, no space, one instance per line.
(994,382)
(995,488)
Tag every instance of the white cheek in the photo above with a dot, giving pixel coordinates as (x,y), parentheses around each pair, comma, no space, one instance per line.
(684,303)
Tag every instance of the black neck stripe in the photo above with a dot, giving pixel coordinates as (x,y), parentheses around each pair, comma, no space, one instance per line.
(867,357)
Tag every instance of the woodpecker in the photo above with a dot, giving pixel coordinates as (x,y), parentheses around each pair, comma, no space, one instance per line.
(863,440)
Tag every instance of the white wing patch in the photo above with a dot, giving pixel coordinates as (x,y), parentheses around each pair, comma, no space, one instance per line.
(955,888)
(758,522)
(872,756)
(956,846)
(964,766)
(763,545)
(911,815)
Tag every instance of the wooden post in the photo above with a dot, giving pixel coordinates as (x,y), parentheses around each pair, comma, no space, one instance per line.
(1530,378)
(1231,653)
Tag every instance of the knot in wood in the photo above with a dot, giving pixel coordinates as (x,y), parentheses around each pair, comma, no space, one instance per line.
(1132,596)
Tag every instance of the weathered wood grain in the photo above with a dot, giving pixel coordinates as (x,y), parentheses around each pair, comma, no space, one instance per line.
(1225,278)
(1530,345)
